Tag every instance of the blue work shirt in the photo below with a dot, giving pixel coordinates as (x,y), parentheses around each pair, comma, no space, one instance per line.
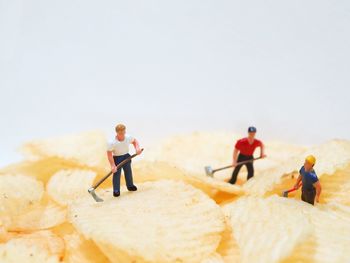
(308,178)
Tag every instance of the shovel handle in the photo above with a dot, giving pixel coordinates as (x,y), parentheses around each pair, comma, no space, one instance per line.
(240,163)
(293,189)
(118,166)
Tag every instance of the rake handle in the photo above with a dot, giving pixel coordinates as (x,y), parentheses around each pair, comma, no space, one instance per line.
(240,163)
(118,166)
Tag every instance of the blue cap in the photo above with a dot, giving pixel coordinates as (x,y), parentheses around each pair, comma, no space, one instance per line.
(251,129)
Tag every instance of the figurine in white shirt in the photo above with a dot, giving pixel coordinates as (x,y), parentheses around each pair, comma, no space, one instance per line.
(118,151)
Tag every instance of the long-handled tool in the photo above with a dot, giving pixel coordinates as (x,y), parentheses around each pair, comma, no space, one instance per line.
(285,193)
(93,188)
(210,171)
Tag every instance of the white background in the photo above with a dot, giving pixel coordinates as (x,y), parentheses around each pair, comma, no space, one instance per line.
(166,67)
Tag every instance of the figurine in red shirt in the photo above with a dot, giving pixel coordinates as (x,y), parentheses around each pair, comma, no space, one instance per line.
(244,150)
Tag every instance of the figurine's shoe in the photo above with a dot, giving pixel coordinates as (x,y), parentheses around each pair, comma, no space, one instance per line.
(132,188)
(116,193)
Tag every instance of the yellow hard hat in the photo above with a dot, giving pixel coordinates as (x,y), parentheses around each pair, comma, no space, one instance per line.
(311,159)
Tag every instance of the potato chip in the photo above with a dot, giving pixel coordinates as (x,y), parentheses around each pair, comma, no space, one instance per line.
(18,194)
(214,185)
(44,168)
(330,156)
(164,221)
(66,186)
(42,216)
(88,148)
(214,258)
(151,171)
(38,247)
(80,250)
(215,149)
(336,186)
(228,247)
(329,240)
(267,230)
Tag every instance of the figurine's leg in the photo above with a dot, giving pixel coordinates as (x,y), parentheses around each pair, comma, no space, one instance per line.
(116,180)
(128,177)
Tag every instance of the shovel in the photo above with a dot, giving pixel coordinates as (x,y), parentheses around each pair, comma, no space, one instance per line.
(93,188)
(210,171)
(285,193)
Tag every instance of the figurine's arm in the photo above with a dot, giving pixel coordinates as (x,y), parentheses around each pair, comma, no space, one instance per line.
(136,146)
(111,161)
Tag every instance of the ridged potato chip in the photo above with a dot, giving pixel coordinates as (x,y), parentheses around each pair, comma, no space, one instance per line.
(228,247)
(38,247)
(267,230)
(87,148)
(327,163)
(214,184)
(66,186)
(80,250)
(43,169)
(18,195)
(329,240)
(214,258)
(151,171)
(45,215)
(164,221)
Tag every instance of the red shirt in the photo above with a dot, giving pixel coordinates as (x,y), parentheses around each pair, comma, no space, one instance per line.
(246,148)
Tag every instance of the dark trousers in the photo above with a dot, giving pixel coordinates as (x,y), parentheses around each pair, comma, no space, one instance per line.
(250,167)
(127,172)
(308,195)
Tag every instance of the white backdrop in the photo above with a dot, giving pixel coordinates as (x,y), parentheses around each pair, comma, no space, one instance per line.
(165,67)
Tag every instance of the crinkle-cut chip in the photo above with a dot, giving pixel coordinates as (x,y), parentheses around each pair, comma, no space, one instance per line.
(331,156)
(80,250)
(38,247)
(66,186)
(215,149)
(336,186)
(153,171)
(214,185)
(267,230)
(164,221)
(18,195)
(41,217)
(214,258)
(4,235)
(332,234)
(43,169)
(228,247)
(330,237)
(87,148)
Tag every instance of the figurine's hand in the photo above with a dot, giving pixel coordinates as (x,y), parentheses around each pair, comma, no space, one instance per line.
(234,164)
(138,151)
(263,156)
(113,168)
(317,199)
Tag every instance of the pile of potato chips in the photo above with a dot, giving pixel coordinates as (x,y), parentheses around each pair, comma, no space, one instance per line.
(178,214)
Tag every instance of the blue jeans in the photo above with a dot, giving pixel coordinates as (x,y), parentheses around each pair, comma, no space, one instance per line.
(127,172)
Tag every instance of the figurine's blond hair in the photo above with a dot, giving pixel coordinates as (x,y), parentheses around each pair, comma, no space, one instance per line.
(120,127)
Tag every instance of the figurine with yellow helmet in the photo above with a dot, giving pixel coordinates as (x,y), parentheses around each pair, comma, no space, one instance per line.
(311,187)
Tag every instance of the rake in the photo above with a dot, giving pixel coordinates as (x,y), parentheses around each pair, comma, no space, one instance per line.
(210,171)
(93,188)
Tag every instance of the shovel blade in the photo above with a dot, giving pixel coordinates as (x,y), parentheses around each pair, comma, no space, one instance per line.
(209,171)
(285,193)
(94,195)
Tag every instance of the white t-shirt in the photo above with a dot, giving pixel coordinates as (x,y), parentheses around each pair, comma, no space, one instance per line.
(120,147)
